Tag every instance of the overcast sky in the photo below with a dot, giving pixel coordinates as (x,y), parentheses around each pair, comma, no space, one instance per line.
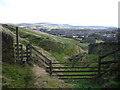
(74,12)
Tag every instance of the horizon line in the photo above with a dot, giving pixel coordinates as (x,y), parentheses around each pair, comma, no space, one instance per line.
(60,24)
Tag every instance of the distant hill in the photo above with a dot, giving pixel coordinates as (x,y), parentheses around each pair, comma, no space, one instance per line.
(60,26)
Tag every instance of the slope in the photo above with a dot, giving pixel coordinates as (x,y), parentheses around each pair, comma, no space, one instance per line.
(24,75)
(58,47)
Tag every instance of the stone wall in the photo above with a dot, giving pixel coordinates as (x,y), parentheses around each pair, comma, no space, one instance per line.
(103,48)
(7,48)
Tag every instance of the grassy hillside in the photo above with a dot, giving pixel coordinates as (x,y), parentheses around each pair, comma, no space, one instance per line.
(27,76)
(15,75)
(18,76)
(60,48)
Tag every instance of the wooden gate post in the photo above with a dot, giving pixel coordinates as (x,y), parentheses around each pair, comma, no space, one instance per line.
(17,42)
(30,49)
(50,68)
(21,52)
(99,66)
(27,56)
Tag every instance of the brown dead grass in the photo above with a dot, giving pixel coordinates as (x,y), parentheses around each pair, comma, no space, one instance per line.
(43,80)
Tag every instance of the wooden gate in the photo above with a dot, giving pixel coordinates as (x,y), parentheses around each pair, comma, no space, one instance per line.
(22,55)
(85,72)
(71,72)
(18,52)
(64,71)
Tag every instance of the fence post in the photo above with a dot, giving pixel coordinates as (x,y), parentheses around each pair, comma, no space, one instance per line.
(30,48)
(17,42)
(27,56)
(99,66)
(50,68)
(21,52)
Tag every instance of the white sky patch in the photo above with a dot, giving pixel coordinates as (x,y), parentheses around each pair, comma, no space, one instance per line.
(75,12)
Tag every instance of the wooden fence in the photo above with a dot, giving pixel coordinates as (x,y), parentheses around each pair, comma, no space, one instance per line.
(116,60)
(18,52)
(22,55)
(64,71)
(72,72)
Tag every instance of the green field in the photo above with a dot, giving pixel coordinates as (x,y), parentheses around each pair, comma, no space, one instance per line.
(99,41)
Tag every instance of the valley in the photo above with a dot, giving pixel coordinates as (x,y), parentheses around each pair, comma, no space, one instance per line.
(86,34)
(62,49)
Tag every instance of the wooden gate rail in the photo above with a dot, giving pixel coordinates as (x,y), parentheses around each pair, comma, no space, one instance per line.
(61,63)
(69,67)
(108,62)
(45,61)
(79,71)
(37,62)
(40,58)
(76,78)
(41,54)
(71,63)
(113,52)
(77,75)
(100,62)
